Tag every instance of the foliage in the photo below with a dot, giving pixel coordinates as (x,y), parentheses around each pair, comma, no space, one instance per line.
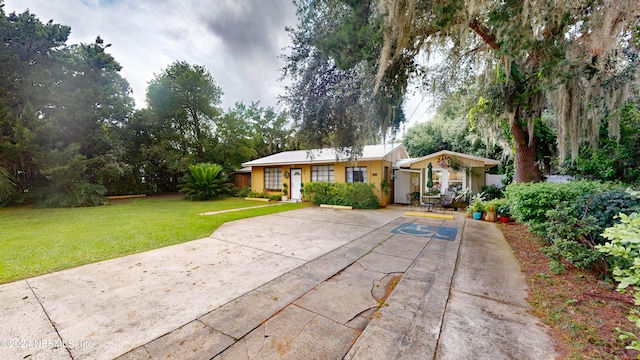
(463,195)
(491,192)
(7,186)
(613,159)
(624,243)
(241,193)
(504,210)
(492,205)
(571,217)
(357,195)
(530,202)
(531,60)
(205,182)
(331,66)
(478,204)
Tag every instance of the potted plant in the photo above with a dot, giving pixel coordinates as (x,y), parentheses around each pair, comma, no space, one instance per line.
(491,207)
(285,192)
(477,207)
(461,198)
(504,213)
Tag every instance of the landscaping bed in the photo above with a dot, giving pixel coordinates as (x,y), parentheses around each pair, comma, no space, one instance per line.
(581,311)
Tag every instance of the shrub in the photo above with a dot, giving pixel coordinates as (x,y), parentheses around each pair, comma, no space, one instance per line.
(571,217)
(82,194)
(530,201)
(241,192)
(491,192)
(624,244)
(204,182)
(357,195)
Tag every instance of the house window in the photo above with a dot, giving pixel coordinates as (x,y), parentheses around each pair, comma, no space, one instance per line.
(356,174)
(273,179)
(322,173)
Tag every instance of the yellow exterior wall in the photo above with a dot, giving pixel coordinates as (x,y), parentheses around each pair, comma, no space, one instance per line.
(375,175)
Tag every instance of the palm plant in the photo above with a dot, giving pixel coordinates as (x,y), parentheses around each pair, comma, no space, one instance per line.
(204,182)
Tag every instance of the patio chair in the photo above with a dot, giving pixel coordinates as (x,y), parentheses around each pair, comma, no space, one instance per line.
(446,202)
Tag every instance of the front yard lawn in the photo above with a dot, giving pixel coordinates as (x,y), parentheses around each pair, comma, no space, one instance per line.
(39,241)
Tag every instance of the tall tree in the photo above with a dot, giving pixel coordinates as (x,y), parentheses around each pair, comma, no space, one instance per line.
(575,58)
(185,97)
(331,66)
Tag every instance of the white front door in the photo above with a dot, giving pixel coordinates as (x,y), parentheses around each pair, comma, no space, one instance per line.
(296,184)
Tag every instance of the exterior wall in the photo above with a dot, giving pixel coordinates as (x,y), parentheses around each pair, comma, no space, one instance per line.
(477,179)
(257,179)
(375,175)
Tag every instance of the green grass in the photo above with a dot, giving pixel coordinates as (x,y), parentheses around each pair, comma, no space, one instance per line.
(39,241)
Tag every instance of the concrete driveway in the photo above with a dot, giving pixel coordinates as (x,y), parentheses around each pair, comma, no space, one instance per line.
(311,283)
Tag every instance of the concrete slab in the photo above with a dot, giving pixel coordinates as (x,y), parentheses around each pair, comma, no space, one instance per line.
(407,247)
(487,266)
(384,263)
(366,218)
(243,314)
(340,299)
(20,307)
(288,287)
(294,333)
(123,303)
(480,328)
(194,340)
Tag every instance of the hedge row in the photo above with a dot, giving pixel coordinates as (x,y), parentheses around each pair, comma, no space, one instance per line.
(357,195)
(572,217)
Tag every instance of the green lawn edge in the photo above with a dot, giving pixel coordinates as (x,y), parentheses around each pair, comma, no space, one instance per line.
(40,241)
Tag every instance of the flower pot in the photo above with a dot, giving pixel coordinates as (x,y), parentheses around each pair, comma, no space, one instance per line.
(477,215)
(504,219)
(285,198)
(491,216)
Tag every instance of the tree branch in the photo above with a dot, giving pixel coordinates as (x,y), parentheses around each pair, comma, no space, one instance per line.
(484,33)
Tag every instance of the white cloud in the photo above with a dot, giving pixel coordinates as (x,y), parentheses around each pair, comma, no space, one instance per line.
(238,41)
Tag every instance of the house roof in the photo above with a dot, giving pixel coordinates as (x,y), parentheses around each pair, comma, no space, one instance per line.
(315,156)
(404,163)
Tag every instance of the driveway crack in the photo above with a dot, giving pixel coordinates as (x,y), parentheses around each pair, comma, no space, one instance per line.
(49,318)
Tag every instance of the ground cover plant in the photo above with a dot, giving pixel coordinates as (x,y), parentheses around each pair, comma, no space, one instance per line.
(40,241)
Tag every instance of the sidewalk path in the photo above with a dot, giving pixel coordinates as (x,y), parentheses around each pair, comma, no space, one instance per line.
(304,284)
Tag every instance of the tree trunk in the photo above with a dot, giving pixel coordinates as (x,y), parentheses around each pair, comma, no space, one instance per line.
(526,166)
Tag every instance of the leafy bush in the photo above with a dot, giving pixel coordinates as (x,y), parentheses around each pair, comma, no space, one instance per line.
(275,197)
(258,195)
(241,192)
(605,206)
(625,244)
(204,182)
(530,201)
(571,217)
(491,192)
(81,194)
(357,195)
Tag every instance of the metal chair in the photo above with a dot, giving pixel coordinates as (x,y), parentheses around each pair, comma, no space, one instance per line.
(446,202)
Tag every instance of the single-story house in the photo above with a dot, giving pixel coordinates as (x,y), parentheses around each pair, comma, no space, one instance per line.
(242,177)
(296,168)
(450,170)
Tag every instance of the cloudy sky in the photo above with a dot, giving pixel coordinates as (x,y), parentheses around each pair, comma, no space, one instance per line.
(238,41)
